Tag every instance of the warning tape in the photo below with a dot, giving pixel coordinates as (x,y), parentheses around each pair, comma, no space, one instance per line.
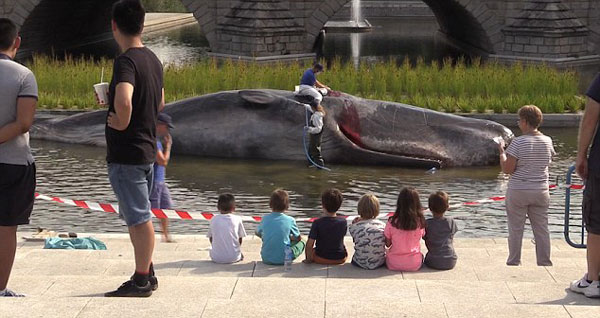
(206,216)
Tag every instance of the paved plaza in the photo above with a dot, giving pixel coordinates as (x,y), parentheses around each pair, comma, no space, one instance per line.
(70,283)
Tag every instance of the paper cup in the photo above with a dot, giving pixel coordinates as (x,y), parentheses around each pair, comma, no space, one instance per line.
(102,92)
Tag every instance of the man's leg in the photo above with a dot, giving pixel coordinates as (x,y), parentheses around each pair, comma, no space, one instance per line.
(593,256)
(8,248)
(142,238)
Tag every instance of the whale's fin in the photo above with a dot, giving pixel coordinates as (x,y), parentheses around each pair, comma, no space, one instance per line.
(257,97)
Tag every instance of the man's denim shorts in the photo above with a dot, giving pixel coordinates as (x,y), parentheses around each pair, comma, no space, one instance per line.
(132,185)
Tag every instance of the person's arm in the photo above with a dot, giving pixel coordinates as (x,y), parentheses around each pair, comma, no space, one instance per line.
(259,230)
(120,119)
(317,121)
(163,157)
(508,162)
(162,101)
(587,128)
(388,235)
(309,251)
(320,85)
(241,231)
(22,124)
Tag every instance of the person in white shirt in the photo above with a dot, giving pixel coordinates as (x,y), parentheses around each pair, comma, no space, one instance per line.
(315,131)
(226,232)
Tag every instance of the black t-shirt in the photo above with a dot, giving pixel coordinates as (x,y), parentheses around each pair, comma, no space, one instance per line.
(593,92)
(329,232)
(136,145)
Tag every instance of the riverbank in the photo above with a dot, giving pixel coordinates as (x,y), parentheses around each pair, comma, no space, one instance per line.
(62,283)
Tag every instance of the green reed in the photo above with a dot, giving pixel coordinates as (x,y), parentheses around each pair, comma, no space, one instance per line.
(450,86)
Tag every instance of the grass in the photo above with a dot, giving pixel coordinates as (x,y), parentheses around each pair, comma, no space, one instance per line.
(449,87)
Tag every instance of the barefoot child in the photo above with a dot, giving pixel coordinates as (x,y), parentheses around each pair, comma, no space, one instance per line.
(278,230)
(226,232)
(160,198)
(403,233)
(328,232)
(439,234)
(367,234)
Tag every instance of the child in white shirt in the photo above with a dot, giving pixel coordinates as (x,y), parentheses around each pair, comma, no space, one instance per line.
(226,232)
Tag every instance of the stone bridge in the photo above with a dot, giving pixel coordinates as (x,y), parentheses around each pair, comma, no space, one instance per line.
(555,31)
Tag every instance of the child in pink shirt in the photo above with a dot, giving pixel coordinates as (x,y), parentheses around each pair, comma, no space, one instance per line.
(403,233)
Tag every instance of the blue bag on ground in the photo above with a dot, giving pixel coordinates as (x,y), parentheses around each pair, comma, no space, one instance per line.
(85,243)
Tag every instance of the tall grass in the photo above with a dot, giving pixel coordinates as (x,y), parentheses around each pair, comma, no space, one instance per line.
(451,87)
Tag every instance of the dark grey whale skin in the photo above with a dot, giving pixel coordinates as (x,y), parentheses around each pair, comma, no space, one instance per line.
(268,124)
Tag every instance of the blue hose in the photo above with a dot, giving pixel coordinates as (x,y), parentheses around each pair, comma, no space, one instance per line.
(306,149)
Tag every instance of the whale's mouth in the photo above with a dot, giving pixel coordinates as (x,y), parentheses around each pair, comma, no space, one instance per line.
(354,137)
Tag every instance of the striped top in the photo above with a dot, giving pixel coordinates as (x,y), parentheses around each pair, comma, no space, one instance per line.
(533,153)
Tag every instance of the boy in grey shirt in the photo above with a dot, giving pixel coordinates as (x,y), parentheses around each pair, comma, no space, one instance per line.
(439,234)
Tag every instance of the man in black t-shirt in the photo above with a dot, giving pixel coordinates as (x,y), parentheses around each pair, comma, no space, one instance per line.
(136,95)
(589,170)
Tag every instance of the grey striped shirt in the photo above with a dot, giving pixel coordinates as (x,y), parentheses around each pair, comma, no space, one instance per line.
(534,154)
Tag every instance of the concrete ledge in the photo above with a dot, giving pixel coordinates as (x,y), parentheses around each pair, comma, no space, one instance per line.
(550,120)
(590,60)
(265,59)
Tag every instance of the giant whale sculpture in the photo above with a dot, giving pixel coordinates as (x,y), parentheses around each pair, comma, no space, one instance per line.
(268,124)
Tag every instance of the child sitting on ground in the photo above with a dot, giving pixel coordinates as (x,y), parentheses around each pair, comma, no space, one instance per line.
(328,233)
(403,233)
(367,234)
(439,233)
(226,232)
(278,230)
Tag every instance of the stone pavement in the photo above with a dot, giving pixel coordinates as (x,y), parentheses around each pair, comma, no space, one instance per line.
(68,283)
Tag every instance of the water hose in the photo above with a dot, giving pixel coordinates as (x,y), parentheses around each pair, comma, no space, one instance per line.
(306,149)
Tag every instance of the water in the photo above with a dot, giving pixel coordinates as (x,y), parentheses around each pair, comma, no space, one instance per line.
(79,172)
(356,11)
(391,38)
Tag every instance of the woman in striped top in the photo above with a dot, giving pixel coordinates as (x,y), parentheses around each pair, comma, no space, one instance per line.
(526,159)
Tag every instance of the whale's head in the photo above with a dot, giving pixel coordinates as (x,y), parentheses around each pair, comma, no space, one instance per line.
(396,129)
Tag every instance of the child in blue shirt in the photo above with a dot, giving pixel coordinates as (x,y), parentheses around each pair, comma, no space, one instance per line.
(160,198)
(277,230)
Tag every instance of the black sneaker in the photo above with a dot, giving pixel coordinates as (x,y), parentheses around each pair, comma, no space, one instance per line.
(130,289)
(153,282)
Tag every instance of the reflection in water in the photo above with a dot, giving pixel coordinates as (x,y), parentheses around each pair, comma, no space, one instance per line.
(79,172)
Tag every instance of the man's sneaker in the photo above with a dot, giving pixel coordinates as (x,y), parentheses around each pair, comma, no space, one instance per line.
(130,289)
(153,282)
(10,293)
(583,286)
(579,286)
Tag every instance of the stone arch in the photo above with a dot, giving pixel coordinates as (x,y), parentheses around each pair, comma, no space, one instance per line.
(469,22)
(207,13)
(59,24)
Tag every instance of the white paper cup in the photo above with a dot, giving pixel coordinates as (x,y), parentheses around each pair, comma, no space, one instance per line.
(102,92)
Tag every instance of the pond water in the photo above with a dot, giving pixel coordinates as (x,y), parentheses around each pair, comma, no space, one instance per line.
(79,172)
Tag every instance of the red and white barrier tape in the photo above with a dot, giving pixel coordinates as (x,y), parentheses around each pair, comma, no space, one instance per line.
(184,215)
